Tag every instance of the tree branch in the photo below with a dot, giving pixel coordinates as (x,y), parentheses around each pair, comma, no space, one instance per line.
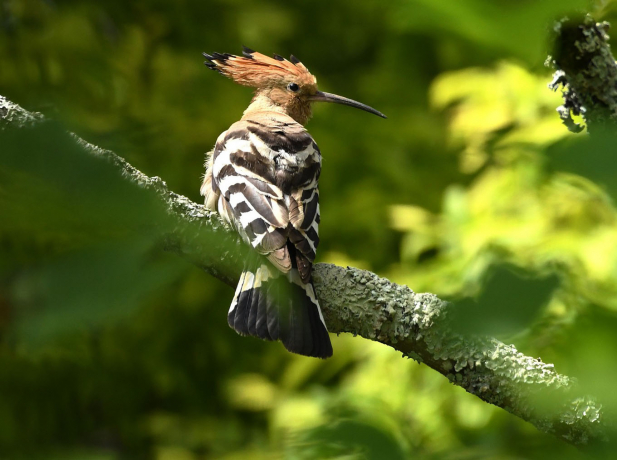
(361,303)
(587,70)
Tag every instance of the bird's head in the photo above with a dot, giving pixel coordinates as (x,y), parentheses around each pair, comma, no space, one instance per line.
(280,84)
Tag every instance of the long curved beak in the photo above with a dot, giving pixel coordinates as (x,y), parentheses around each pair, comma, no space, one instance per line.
(320,96)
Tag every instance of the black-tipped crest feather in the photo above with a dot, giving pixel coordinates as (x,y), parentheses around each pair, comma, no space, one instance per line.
(210,64)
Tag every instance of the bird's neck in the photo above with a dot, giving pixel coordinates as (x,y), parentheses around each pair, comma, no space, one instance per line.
(261,103)
(278,102)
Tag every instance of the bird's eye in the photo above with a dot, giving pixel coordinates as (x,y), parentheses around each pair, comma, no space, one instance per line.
(293,87)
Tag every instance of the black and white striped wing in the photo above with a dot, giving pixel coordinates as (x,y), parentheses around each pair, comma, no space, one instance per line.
(263,181)
(246,198)
(304,217)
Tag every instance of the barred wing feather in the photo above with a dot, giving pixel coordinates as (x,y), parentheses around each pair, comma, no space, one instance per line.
(262,179)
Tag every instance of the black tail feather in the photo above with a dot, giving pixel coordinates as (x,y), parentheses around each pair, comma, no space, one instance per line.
(321,342)
(238,317)
(272,320)
(300,337)
(242,312)
(253,304)
(273,306)
(231,316)
(261,321)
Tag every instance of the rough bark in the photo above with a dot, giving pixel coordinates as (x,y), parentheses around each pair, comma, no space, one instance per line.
(361,303)
(586,69)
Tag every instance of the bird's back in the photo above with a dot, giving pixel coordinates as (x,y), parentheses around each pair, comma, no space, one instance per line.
(262,178)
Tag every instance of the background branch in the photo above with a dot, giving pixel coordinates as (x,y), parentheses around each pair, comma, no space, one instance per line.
(587,70)
(361,303)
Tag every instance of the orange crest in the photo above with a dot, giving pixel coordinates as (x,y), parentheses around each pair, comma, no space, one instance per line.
(258,70)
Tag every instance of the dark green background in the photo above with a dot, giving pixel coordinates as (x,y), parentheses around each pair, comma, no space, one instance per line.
(111,349)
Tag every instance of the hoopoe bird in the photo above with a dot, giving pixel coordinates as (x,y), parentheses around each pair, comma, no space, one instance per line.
(262,178)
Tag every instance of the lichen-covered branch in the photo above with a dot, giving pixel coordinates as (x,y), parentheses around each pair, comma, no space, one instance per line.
(361,303)
(586,69)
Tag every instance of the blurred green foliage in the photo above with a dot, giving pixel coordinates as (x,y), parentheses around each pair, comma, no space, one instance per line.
(110,349)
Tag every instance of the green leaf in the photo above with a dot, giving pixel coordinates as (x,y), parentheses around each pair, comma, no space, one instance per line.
(509,302)
(592,156)
(513,29)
